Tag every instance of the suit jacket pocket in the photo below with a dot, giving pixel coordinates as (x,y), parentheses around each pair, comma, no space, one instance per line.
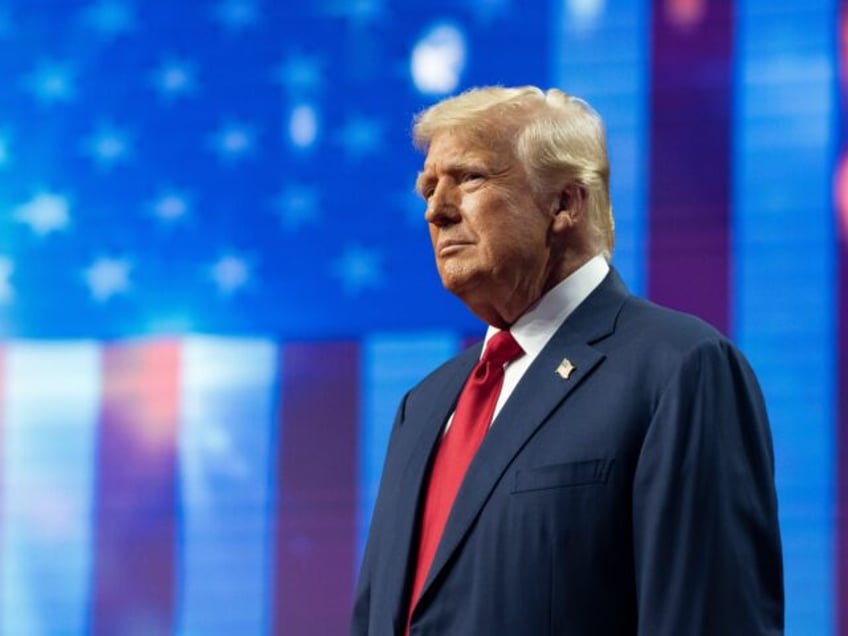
(594,471)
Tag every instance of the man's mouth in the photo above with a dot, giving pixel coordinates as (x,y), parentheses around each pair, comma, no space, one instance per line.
(449,246)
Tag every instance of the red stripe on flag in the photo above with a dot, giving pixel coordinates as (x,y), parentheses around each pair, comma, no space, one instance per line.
(317,478)
(691,93)
(136,490)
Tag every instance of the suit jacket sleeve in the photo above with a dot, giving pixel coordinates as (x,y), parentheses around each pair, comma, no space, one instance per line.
(706,539)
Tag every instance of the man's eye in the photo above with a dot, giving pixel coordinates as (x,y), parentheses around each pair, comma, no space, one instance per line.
(472,176)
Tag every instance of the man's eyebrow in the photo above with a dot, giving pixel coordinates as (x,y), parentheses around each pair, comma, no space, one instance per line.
(471,163)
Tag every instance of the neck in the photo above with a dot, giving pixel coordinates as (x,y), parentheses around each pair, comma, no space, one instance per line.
(502,311)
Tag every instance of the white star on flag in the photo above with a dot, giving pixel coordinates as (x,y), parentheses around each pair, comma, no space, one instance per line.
(46,212)
(487,10)
(107,146)
(438,60)
(170,206)
(175,78)
(233,141)
(107,277)
(303,126)
(298,206)
(230,273)
(109,17)
(300,74)
(236,15)
(51,82)
(358,268)
(7,267)
(361,136)
(358,11)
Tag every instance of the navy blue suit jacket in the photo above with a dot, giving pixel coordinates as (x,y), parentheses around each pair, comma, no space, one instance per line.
(634,497)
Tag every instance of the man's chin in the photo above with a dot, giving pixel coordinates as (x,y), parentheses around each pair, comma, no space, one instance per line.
(470,289)
(458,285)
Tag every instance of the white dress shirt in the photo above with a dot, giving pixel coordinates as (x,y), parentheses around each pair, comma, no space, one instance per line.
(539,323)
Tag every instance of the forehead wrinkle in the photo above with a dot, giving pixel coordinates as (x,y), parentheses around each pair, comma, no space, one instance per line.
(454,145)
(455,154)
(458,162)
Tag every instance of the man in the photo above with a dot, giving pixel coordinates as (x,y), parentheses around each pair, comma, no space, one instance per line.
(603,465)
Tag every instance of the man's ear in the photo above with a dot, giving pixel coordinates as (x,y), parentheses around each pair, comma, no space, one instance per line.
(564,201)
(570,207)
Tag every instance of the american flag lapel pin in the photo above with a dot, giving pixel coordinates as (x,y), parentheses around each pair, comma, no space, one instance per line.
(565,368)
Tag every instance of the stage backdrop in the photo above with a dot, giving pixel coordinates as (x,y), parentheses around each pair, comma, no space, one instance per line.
(216,284)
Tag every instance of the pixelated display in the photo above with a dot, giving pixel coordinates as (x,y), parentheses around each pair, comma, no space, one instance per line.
(216,282)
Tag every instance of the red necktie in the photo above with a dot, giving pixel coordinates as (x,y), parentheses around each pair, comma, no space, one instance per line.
(470,423)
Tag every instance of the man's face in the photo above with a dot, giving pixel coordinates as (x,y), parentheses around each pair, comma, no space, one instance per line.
(490,233)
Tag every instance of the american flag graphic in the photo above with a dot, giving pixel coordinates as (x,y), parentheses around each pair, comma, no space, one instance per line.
(216,282)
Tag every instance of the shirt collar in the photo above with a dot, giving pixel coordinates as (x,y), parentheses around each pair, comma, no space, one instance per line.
(539,323)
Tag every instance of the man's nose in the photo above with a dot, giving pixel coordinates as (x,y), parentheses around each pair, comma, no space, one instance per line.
(443,205)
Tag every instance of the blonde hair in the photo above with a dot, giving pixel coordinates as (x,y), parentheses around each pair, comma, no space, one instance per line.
(554,135)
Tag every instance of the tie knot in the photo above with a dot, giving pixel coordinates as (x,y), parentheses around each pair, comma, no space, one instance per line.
(502,348)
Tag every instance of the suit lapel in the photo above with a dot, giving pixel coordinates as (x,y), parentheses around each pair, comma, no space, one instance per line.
(538,393)
(423,433)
